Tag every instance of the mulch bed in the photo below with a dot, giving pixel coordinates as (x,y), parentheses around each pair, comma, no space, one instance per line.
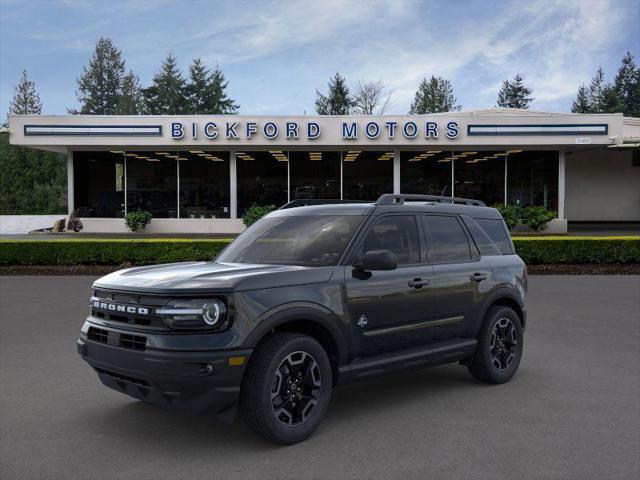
(99,270)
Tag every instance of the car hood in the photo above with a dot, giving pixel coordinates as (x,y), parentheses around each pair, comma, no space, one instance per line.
(200,277)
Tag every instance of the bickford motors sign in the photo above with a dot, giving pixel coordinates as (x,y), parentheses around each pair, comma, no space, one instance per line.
(294,130)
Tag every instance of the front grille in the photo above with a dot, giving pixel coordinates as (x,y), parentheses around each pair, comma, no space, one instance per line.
(133,342)
(98,335)
(117,376)
(109,301)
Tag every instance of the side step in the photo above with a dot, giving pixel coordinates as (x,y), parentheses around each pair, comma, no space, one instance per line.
(436,354)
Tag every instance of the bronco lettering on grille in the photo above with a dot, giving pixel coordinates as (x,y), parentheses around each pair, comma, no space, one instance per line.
(119,308)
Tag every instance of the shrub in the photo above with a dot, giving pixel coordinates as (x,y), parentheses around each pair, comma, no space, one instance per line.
(76,251)
(74,223)
(255,213)
(137,220)
(536,217)
(510,213)
(578,250)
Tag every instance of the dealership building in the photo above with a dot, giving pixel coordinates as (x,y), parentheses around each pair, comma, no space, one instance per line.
(200,173)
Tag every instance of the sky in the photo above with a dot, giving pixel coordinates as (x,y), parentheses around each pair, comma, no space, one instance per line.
(276,54)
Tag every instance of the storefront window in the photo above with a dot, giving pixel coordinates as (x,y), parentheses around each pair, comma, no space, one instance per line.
(204,184)
(480,175)
(152,183)
(262,179)
(426,172)
(532,179)
(314,175)
(99,184)
(366,175)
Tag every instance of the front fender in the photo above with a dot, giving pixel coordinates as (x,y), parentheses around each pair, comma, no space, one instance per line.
(308,311)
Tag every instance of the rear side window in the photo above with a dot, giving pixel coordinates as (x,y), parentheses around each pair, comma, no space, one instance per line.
(447,241)
(481,238)
(497,232)
(397,233)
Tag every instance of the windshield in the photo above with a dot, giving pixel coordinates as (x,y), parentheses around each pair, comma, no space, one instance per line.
(311,241)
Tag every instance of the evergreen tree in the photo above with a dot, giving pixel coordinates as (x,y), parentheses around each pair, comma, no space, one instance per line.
(338,101)
(130,101)
(581,104)
(218,100)
(514,94)
(433,96)
(206,91)
(25,99)
(627,86)
(100,85)
(167,95)
(596,91)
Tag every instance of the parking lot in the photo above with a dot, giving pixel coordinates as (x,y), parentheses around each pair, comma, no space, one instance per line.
(571,412)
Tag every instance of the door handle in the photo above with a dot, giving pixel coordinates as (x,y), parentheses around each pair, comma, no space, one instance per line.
(418,283)
(478,277)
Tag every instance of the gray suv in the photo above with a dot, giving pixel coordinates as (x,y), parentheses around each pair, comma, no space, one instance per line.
(310,297)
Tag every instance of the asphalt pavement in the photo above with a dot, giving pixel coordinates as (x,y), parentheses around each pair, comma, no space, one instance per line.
(571,412)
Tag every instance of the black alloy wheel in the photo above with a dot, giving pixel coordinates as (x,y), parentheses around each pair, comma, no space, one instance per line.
(504,343)
(295,390)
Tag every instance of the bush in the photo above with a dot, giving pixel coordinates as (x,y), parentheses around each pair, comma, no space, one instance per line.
(510,213)
(534,217)
(74,223)
(75,251)
(578,250)
(255,213)
(137,220)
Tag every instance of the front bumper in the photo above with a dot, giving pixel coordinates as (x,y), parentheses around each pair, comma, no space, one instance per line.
(195,380)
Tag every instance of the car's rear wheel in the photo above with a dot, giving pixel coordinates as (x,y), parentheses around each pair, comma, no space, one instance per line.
(287,388)
(499,348)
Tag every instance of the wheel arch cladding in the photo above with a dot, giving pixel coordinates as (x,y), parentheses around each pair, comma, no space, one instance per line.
(323,327)
(507,301)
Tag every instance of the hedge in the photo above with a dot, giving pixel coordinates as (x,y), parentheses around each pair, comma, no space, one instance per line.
(533,250)
(107,252)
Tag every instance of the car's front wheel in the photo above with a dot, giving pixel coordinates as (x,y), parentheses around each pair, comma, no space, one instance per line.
(499,348)
(286,388)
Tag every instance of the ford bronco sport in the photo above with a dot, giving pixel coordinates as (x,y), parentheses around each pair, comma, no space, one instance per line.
(310,297)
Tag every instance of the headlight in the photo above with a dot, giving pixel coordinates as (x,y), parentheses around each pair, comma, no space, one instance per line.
(194,314)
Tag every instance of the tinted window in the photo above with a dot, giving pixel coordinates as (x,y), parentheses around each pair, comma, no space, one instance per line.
(480,237)
(312,241)
(497,233)
(398,234)
(448,242)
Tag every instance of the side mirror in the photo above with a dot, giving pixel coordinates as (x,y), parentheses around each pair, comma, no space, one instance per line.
(378,260)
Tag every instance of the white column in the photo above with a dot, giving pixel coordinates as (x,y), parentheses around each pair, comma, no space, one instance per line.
(70,186)
(396,172)
(177,188)
(453,176)
(341,175)
(506,169)
(288,176)
(233,185)
(561,176)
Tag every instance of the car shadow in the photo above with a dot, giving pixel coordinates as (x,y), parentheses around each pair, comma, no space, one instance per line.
(140,422)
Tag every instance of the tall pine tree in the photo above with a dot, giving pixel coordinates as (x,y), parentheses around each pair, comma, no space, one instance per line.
(582,103)
(130,101)
(206,92)
(100,85)
(514,94)
(627,86)
(338,100)
(25,99)
(167,94)
(433,96)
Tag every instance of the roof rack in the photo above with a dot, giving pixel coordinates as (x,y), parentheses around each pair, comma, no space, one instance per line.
(399,199)
(304,202)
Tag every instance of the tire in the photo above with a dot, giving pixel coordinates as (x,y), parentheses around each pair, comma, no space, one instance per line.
(499,348)
(282,364)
